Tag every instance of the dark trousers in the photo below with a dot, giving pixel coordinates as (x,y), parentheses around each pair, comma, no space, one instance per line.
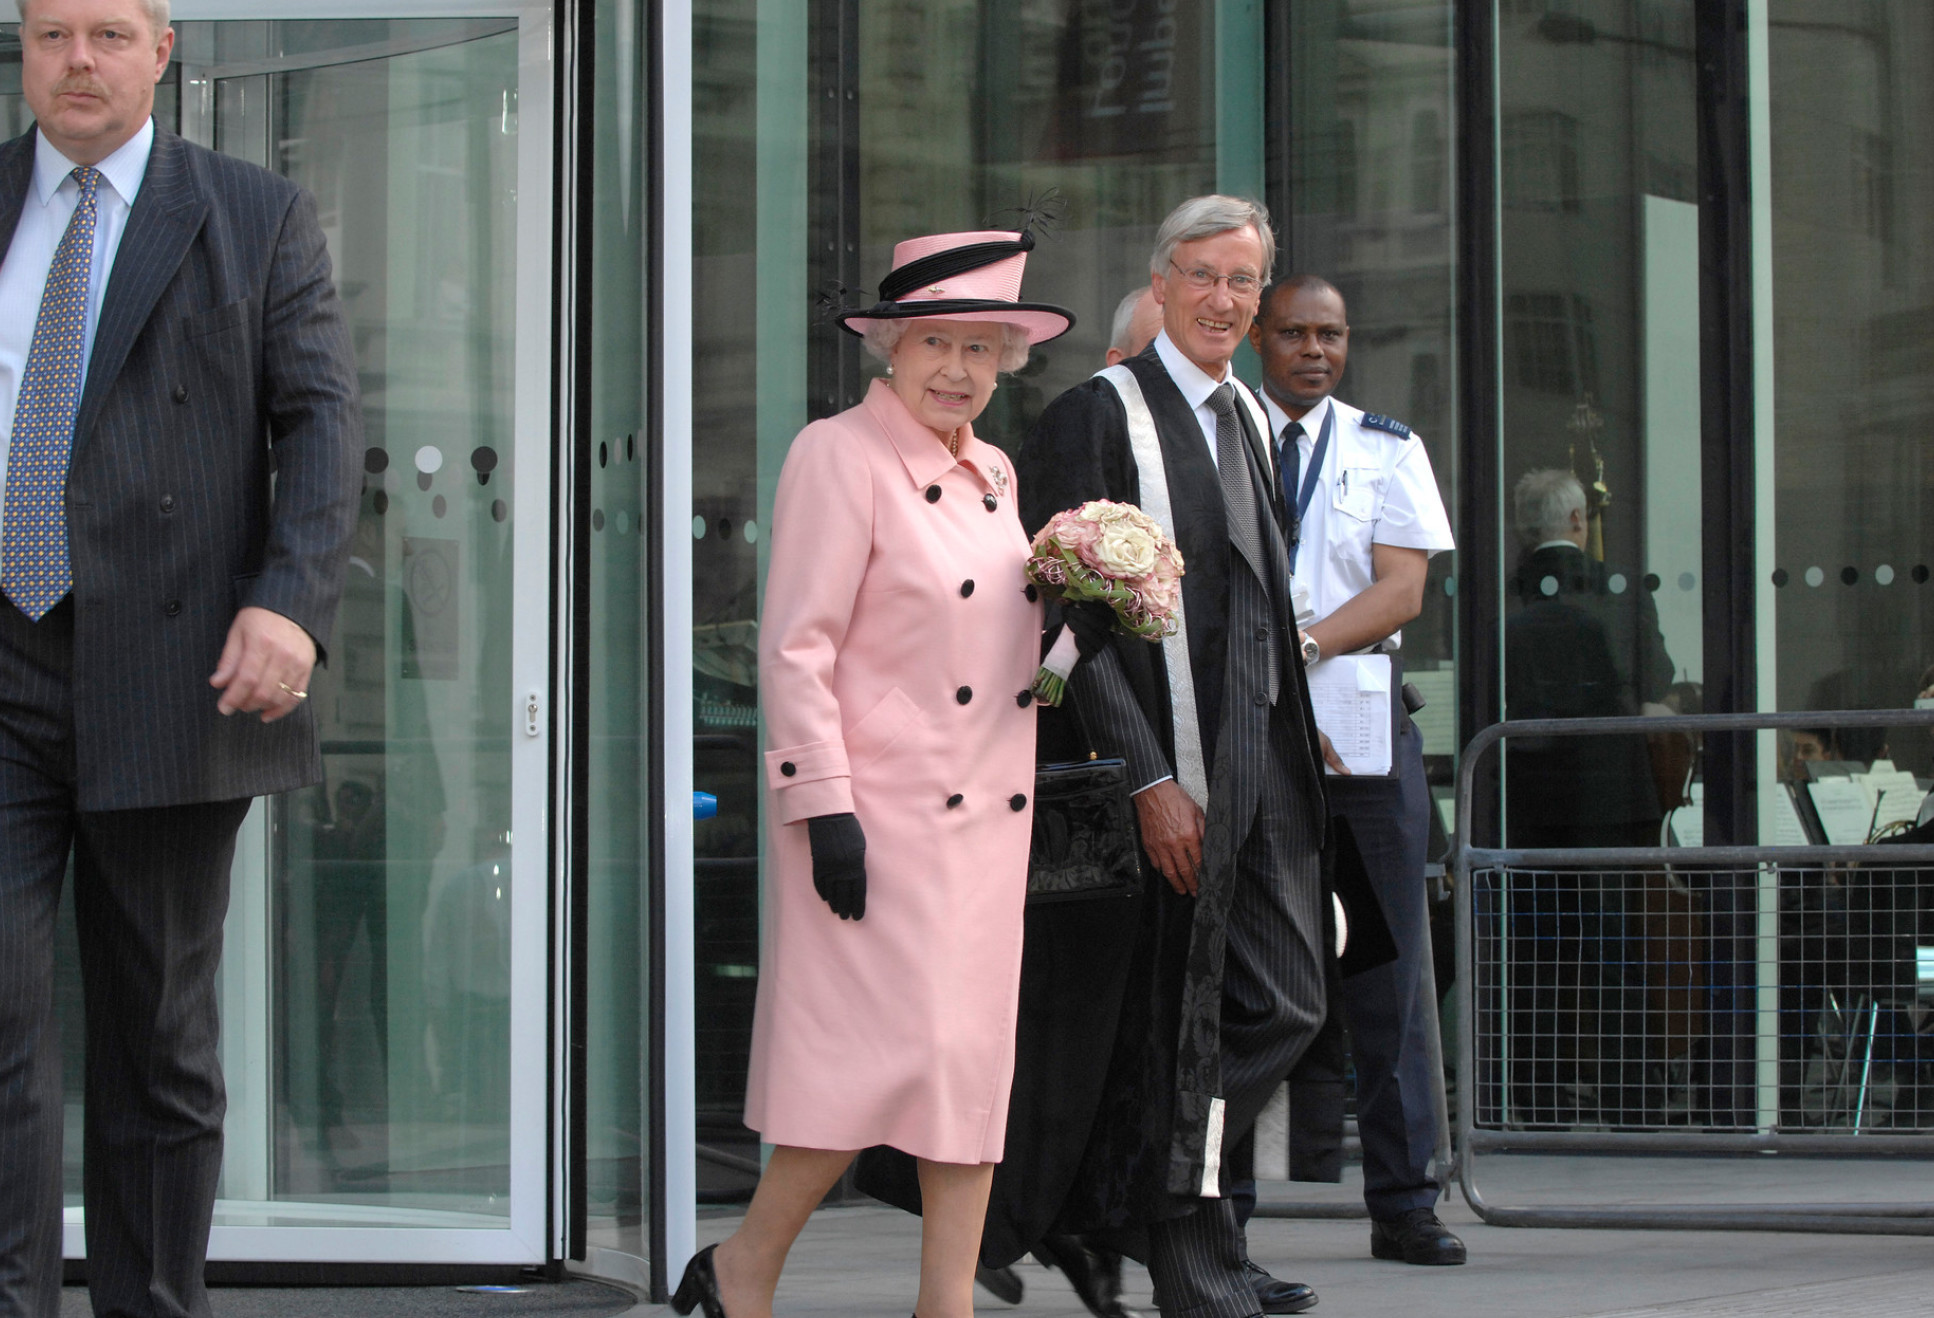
(1577,962)
(150,893)
(1388,1009)
(1272,1006)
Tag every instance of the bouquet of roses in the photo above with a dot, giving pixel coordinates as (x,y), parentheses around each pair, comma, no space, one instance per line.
(1106,553)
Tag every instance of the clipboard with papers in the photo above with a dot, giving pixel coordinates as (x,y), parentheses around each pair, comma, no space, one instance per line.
(1352,697)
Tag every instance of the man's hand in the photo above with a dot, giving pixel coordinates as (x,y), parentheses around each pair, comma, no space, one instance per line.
(1172,834)
(265,665)
(1330,757)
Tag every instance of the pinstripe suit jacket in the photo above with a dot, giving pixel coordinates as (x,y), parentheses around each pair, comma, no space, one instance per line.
(221,358)
(1079,450)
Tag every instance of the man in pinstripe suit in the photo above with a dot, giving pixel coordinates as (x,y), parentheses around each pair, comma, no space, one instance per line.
(1228,984)
(169,337)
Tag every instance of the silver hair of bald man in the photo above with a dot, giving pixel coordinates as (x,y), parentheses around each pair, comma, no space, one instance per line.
(1121,338)
(157,11)
(1205,217)
(1542,503)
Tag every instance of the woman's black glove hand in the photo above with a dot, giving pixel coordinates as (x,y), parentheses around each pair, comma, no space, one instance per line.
(839,863)
(1092,623)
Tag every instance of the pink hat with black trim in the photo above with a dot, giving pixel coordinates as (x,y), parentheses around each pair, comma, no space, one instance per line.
(962,276)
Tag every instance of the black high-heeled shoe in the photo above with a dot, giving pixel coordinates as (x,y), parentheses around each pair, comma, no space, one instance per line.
(699,1286)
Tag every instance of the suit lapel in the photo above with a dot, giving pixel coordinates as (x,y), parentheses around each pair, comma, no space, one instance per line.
(168,213)
(16,176)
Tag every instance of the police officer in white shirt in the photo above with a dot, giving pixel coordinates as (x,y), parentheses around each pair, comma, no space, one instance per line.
(1361,493)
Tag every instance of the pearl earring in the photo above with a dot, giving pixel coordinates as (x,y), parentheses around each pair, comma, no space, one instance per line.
(889,370)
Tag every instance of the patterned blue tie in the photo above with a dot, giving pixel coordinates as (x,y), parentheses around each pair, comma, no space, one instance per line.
(34,569)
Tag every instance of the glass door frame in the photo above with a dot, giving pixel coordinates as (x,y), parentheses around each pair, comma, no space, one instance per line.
(528,1236)
(667,1079)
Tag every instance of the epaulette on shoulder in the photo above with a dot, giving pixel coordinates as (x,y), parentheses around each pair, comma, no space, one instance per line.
(1395,427)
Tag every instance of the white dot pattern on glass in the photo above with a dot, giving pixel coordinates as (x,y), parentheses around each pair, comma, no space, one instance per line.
(34,568)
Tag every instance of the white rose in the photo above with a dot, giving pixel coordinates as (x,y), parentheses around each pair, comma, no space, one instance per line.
(1104,512)
(1125,550)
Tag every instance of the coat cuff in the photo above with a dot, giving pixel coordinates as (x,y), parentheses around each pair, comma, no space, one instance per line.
(809,780)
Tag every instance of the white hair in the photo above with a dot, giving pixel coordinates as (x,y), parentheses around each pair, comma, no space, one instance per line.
(1123,336)
(1205,217)
(883,336)
(157,10)
(1542,504)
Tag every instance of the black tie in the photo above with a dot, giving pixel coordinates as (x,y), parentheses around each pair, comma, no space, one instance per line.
(1289,462)
(1289,467)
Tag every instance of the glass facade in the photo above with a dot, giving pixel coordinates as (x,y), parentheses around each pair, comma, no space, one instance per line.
(611,917)
(1852,185)
(1845,600)
(369,985)
(390,881)
(375,975)
(1362,191)
(1600,511)
(893,119)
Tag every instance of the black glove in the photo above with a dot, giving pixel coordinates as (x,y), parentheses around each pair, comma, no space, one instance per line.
(1092,623)
(839,863)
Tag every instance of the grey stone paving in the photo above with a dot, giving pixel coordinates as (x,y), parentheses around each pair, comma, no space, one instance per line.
(862,1262)
(1903,1295)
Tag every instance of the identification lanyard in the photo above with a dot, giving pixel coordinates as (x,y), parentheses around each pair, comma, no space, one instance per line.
(1294,455)
(1316,465)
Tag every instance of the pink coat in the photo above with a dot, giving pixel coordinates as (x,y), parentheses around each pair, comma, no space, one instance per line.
(896,640)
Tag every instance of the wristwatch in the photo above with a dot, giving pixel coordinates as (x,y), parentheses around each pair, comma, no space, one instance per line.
(1311,650)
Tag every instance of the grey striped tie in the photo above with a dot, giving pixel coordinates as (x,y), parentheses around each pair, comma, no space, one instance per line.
(1239,494)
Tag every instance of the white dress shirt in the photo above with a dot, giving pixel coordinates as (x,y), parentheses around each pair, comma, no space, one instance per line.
(1196,385)
(44,214)
(1375,488)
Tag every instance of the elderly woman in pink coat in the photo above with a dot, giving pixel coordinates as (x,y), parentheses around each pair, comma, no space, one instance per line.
(897,644)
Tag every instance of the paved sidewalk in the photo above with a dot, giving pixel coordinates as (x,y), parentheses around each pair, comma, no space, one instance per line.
(862,1262)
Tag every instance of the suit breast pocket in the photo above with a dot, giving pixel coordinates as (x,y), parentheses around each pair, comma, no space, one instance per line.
(224,319)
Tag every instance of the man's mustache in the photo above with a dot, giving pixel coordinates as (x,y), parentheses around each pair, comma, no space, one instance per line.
(86,86)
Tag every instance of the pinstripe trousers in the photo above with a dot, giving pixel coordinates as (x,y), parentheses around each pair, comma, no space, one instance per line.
(150,892)
(1272,992)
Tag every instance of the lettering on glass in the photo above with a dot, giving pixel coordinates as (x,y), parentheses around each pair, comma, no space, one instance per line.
(1135,77)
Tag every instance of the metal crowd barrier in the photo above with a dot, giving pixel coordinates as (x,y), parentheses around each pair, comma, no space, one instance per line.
(1694,1000)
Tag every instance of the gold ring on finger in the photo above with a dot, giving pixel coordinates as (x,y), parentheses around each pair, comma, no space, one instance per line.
(299,695)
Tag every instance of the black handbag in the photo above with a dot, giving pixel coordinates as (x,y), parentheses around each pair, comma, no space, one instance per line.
(1086,844)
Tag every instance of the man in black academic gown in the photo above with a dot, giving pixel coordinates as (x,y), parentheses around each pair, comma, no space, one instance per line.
(1225,982)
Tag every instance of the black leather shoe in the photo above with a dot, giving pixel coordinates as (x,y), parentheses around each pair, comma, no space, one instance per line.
(699,1286)
(1095,1274)
(1415,1237)
(1279,1296)
(1003,1283)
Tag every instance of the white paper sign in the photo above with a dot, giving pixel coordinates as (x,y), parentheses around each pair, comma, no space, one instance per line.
(1351,697)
